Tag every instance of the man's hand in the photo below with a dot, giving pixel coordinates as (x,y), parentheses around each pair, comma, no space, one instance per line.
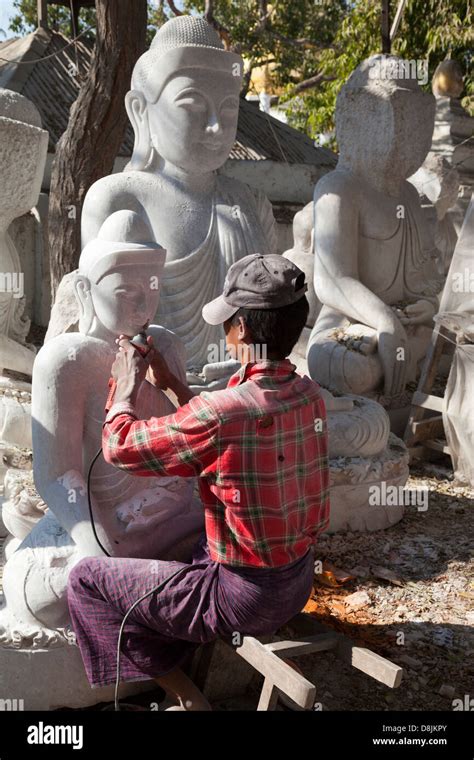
(158,373)
(128,370)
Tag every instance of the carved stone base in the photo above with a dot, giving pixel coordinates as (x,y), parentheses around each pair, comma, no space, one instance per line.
(351,482)
(48,679)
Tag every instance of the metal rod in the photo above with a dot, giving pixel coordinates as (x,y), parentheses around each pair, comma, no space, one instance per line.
(397,19)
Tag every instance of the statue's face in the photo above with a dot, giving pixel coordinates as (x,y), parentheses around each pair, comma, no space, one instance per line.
(126,299)
(194,121)
(413,112)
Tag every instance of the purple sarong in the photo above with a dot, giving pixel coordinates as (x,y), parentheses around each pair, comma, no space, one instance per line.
(203,602)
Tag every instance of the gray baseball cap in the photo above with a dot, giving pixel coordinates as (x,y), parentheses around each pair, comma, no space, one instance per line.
(257,282)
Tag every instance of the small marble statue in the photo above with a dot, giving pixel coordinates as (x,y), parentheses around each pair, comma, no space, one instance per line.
(375,268)
(453,133)
(438,184)
(183,106)
(117,286)
(23,150)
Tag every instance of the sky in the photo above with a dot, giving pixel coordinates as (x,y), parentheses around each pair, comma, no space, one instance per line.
(6,11)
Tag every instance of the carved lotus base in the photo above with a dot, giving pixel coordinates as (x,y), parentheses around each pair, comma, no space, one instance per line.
(51,677)
(352,480)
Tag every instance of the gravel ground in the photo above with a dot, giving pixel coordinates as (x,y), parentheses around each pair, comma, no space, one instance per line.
(411,599)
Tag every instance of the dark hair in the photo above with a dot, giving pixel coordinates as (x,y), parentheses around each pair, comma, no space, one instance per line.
(278,329)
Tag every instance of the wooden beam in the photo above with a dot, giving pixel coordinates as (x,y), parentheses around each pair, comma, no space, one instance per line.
(319,643)
(268,696)
(368,662)
(279,673)
(431,427)
(438,445)
(385,26)
(42,11)
(427,401)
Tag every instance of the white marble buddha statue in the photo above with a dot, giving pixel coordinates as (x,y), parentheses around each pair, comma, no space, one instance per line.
(183,105)
(375,268)
(23,150)
(117,290)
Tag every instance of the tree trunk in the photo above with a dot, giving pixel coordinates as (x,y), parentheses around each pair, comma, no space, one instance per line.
(88,147)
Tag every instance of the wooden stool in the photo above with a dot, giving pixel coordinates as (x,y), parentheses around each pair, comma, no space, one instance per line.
(281,678)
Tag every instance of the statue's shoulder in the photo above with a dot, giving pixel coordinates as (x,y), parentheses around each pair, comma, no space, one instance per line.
(115,191)
(63,354)
(340,182)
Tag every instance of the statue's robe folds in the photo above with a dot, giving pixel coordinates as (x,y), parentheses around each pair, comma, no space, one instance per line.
(241,223)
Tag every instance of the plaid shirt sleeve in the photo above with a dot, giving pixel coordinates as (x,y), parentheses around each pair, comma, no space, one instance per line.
(183,443)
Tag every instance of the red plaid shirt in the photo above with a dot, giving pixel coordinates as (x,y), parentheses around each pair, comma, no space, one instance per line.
(259,448)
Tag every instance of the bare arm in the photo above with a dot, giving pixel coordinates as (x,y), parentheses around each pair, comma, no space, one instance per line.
(336,275)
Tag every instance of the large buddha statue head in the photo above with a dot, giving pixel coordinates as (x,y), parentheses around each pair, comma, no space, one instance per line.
(117,282)
(184,99)
(384,120)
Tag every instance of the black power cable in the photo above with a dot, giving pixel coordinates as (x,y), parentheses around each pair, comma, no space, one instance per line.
(140,343)
(148,593)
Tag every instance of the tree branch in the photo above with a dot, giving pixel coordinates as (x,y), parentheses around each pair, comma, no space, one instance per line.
(173,8)
(265,26)
(312,82)
(223,31)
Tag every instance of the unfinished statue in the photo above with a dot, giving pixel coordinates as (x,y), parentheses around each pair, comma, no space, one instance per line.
(23,149)
(117,287)
(375,268)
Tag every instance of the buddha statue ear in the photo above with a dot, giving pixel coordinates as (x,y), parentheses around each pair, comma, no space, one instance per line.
(82,290)
(136,106)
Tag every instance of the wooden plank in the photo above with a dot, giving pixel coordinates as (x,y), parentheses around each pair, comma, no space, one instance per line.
(431,427)
(319,643)
(42,12)
(368,662)
(427,401)
(438,445)
(385,27)
(268,696)
(427,378)
(287,680)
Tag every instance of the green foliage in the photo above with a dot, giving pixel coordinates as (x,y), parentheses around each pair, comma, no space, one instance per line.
(282,41)
(305,38)
(430,30)
(25,19)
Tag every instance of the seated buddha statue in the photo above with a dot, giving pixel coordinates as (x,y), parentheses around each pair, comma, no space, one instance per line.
(183,106)
(375,263)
